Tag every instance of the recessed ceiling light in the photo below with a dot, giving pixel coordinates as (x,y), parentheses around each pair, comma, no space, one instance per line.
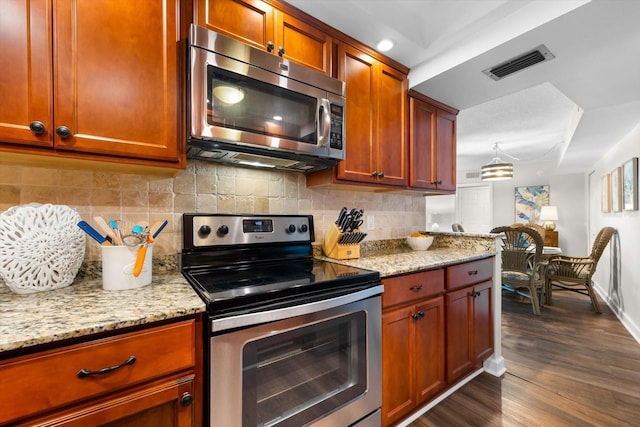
(278,118)
(385,45)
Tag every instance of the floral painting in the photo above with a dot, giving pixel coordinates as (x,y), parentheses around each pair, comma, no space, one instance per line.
(529,200)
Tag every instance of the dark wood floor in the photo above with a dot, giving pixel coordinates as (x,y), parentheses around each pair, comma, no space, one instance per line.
(567,367)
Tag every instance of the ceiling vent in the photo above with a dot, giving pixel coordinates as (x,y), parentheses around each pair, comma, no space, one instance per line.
(513,65)
(473,175)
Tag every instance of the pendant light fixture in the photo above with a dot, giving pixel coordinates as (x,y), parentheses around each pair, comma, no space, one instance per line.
(496,169)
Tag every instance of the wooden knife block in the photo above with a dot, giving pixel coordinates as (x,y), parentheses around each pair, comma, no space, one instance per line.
(332,249)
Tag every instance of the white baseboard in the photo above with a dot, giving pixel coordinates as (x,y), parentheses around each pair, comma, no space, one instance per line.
(627,322)
(440,398)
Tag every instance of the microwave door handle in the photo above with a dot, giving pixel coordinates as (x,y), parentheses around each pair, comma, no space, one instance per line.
(324,121)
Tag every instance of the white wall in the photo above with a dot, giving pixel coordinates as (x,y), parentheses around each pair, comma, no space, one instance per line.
(567,192)
(619,283)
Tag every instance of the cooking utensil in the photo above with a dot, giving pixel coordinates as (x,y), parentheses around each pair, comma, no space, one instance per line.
(92,232)
(158,229)
(142,252)
(104,228)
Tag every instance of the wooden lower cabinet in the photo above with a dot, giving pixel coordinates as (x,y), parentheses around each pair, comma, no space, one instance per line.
(413,357)
(437,327)
(412,342)
(469,329)
(168,404)
(149,377)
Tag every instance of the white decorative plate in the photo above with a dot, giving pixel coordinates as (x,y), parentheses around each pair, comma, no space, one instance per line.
(41,247)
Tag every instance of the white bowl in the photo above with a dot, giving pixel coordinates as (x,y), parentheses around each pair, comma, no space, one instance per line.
(420,243)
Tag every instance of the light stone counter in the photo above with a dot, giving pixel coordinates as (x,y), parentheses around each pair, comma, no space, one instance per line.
(393,257)
(84,308)
(411,261)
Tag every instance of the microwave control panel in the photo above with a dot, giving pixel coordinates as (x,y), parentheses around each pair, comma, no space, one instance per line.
(337,121)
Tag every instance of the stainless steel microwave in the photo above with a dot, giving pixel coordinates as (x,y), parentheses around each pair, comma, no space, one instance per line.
(250,107)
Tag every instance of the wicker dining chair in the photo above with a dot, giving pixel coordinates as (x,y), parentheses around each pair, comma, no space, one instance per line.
(539,228)
(522,268)
(575,274)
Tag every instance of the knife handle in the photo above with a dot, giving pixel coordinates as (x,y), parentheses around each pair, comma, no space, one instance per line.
(142,253)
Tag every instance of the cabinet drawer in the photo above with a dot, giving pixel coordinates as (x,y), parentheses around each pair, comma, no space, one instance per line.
(43,381)
(469,273)
(410,287)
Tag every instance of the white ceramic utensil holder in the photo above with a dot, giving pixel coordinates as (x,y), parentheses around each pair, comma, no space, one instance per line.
(41,247)
(117,267)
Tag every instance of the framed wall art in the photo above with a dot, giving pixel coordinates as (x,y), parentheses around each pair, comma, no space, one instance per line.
(616,189)
(630,185)
(605,193)
(529,201)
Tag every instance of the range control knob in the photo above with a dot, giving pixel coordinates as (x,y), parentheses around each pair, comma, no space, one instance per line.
(223,230)
(304,228)
(204,230)
(291,228)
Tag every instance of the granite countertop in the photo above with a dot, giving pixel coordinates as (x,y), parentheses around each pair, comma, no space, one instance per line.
(409,261)
(393,256)
(84,308)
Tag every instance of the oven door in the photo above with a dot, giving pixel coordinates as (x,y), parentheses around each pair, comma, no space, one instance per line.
(320,369)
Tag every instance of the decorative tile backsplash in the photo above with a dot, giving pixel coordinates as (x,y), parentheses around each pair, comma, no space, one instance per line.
(203,187)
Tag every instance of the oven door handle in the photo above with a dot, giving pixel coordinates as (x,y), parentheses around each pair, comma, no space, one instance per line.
(249,319)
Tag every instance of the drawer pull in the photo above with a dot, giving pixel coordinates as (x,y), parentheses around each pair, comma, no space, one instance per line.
(418,315)
(85,372)
(416,288)
(472,272)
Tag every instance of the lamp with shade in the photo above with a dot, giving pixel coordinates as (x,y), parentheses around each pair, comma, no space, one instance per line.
(548,214)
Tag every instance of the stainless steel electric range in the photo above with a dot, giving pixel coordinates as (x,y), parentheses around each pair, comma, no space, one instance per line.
(291,340)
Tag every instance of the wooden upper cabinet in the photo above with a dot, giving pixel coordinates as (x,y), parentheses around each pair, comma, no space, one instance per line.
(391,126)
(26,74)
(376,104)
(116,88)
(432,145)
(261,25)
(422,137)
(303,43)
(446,151)
(250,21)
(358,70)
(94,80)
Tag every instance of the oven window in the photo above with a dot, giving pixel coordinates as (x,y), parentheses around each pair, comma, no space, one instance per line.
(292,378)
(242,103)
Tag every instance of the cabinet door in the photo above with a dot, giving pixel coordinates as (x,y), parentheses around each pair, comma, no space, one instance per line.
(459,325)
(422,138)
(390,126)
(358,70)
(398,397)
(25,77)
(446,151)
(165,405)
(429,349)
(303,43)
(251,21)
(116,78)
(482,322)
